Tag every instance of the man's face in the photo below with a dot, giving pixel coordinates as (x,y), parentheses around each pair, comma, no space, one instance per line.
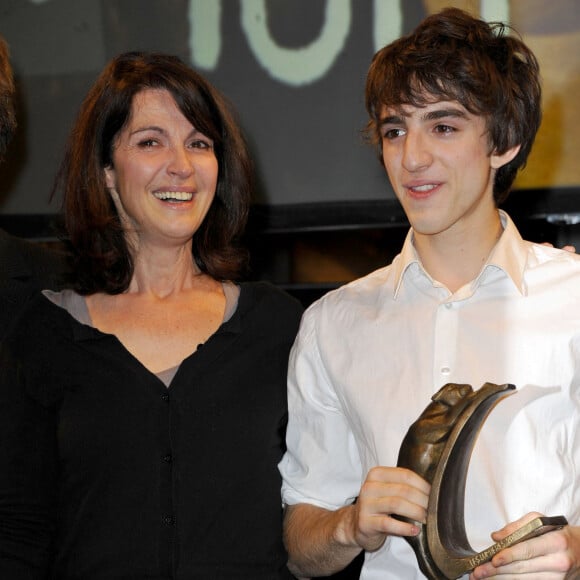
(439,163)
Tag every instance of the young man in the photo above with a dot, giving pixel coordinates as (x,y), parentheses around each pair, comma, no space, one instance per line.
(455,108)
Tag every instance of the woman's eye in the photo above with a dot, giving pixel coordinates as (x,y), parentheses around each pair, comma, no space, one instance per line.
(200,144)
(147,143)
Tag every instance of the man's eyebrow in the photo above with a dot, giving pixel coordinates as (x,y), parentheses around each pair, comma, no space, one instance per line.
(443,114)
(434,115)
(395,119)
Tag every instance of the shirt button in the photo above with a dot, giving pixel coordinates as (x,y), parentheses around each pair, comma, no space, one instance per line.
(448,305)
(168,520)
(165,397)
(168,458)
(445,370)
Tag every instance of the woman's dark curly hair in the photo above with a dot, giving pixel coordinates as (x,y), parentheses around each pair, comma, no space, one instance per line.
(102,260)
(453,56)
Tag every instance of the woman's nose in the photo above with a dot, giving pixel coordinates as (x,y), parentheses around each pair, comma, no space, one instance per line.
(180,162)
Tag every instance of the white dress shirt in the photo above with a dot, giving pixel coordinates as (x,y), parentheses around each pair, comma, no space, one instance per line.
(370,355)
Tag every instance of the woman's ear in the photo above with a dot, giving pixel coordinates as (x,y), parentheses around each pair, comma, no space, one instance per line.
(498,161)
(110,178)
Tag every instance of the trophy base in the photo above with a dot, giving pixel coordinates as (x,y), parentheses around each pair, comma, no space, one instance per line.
(535,527)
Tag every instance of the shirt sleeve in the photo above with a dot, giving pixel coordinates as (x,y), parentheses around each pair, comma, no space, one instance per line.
(27,475)
(321,465)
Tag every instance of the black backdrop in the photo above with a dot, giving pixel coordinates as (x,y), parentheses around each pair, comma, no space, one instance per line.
(294,70)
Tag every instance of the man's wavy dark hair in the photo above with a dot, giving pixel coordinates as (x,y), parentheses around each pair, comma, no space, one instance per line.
(454,56)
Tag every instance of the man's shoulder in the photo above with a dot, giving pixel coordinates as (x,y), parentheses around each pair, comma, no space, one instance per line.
(543,259)
(23,258)
(10,248)
(552,274)
(369,292)
(29,317)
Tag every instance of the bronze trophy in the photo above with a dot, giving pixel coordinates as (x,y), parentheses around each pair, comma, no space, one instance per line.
(438,447)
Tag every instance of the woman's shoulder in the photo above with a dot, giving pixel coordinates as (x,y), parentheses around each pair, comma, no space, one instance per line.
(269,301)
(264,290)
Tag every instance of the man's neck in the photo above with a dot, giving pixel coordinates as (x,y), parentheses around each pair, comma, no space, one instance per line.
(454,258)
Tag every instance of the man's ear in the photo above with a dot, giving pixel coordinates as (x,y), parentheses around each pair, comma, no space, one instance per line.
(498,161)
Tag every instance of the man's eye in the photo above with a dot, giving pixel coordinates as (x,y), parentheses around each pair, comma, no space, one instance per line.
(390,134)
(444,129)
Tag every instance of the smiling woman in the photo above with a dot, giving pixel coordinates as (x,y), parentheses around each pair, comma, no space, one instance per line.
(163,174)
(156,384)
(144,94)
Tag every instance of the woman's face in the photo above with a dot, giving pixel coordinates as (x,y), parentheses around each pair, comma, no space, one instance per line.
(164,173)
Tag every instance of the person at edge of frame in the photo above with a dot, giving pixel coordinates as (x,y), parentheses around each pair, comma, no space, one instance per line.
(25,267)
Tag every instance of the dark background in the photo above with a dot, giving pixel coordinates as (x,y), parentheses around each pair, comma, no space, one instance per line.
(323,210)
(305,136)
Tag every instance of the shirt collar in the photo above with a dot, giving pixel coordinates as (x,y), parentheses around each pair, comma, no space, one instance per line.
(402,262)
(509,254)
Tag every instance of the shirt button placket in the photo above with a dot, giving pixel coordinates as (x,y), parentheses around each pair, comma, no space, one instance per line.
(445,340)
(166,458)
